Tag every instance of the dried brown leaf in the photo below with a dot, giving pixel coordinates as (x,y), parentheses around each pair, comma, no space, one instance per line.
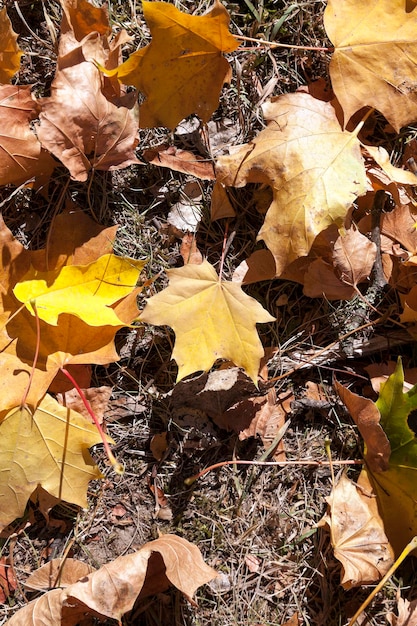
(357,534)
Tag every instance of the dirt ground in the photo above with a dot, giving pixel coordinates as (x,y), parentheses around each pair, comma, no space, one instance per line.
(256,525)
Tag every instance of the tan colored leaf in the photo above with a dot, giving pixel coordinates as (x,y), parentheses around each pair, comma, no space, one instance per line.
(112,590)
(170,560)
(48,447)
(353,257)
(407,613)
(159,445)
(180,161)
(315,169)
(357,534)
(379,373)
(189,251)
(10,53)
(396,174)
(367,417)
(97,397)
(261,415)
(183,69)
(21,156)
(212,320)
(57,573)
(375,57)
(45,611)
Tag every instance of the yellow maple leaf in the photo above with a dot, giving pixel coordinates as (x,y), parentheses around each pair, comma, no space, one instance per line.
(10,52)
(183,69)
(85,291)
(315,169)
(375,57)
(212,319)
(48,448)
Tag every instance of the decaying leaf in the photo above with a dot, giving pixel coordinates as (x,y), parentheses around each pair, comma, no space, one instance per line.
(375,57)
(212,320)
(48,447)
(183,65)
(357,534)
(112,590)
(315,169)
(10,53)
(180,161)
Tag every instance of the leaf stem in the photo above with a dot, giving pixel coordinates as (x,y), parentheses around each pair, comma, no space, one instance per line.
(264,42)
(412,545)
(189,481)
(118,467)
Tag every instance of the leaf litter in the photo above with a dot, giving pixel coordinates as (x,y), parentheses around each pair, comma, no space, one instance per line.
(248,520)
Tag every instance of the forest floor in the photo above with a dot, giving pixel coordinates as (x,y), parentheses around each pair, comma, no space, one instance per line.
(256,525)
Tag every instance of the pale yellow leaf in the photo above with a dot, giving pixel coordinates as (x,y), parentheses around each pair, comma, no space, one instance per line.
(211,319)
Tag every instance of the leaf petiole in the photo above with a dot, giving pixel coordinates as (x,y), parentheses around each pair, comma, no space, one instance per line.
(117,467)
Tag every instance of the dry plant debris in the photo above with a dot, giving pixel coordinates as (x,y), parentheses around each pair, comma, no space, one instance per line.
(310,195)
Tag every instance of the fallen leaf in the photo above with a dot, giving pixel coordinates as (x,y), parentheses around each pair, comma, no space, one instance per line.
(10,53)
(380,372)
(57,573)
(367,417)
(315,169)
(112,590)
(374,58)
(265,416)
(396,174)
(407,613)
(221,206)
(180,161)
(189,251)
(48,447)
(85,291)
(159,445)
(260,265)
(353,257)
(21,156)
(395,487)
(252,563)
(357,535)
(8,582)
(85,124)
(97,397)
(183,69)
(212,320)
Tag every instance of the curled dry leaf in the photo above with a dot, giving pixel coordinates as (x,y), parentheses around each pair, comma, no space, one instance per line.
(407,613)
(112,590)
(353,257)
(180,161)
(367,417)
(357,534)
